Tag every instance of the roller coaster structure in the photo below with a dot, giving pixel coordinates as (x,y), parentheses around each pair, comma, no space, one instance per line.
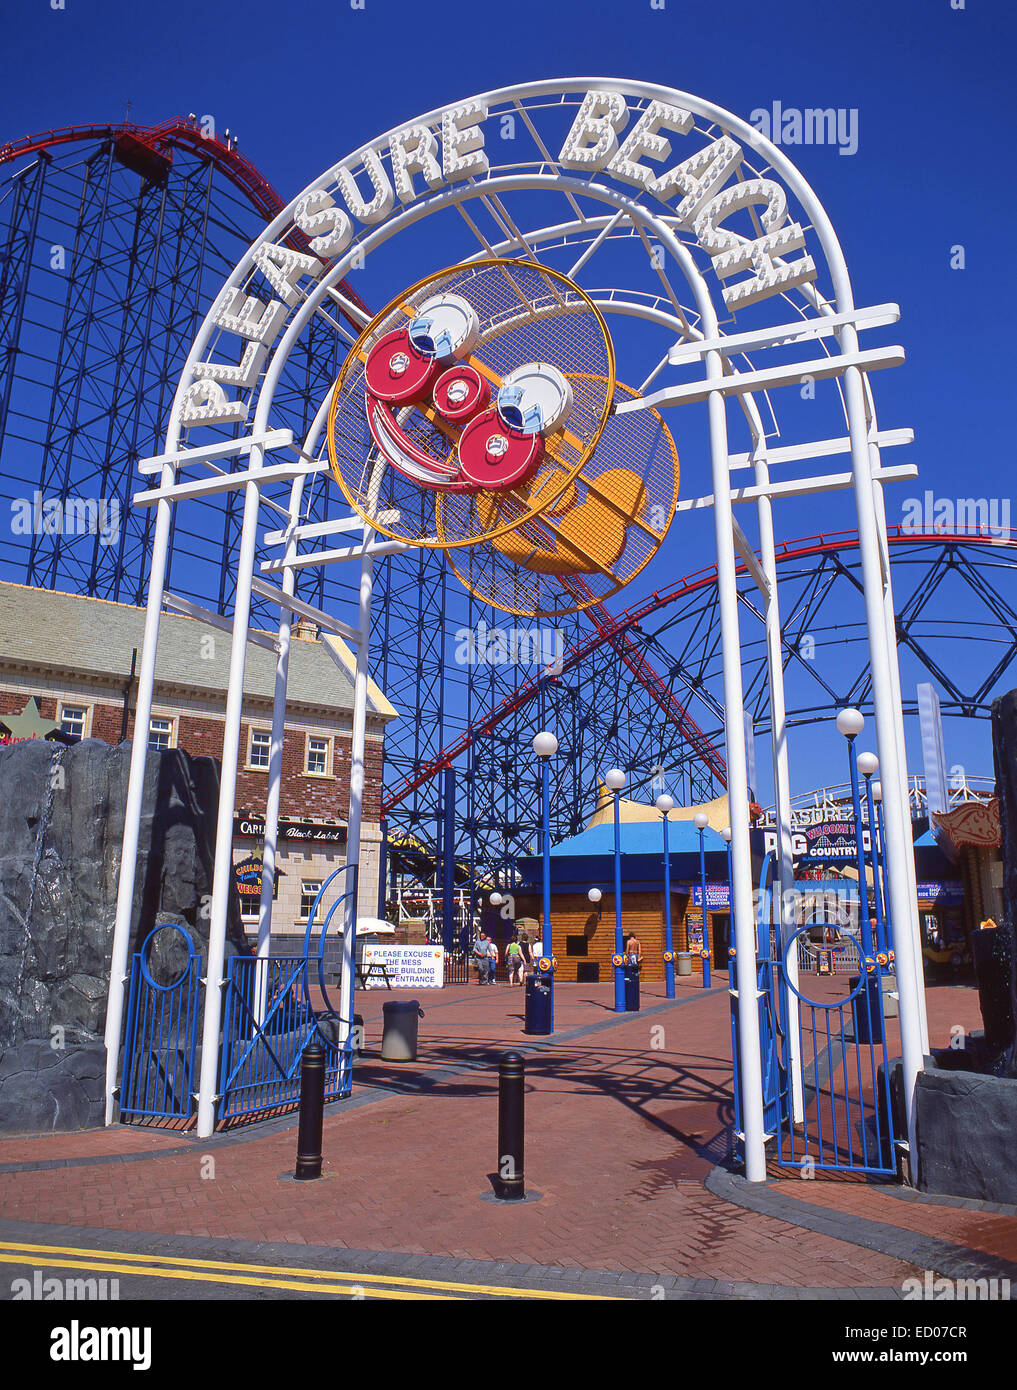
(113,237)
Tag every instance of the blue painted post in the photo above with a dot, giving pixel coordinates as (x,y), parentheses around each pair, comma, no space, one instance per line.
(448,893)
(702,890)
(730,909)
(615,780)
(545,808)
(881,852)
(668,942)
(881,944)
(863,892)
(545,745)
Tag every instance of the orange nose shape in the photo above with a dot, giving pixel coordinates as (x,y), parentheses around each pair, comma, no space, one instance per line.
(587,538)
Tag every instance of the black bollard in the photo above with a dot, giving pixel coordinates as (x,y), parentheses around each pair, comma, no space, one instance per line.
(510,1186)
(312,1110)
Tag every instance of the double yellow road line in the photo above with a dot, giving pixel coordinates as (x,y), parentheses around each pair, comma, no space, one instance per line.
(326,1282)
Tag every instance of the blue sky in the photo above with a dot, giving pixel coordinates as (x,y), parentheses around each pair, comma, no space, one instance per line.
(304,83)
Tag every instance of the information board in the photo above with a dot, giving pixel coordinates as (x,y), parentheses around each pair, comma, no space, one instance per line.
(408,967)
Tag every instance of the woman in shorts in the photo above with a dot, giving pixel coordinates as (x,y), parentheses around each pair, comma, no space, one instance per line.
(515,962)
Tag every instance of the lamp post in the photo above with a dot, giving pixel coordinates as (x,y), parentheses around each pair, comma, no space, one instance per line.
(545,745)
(665,805)
(877,796)
(615,780)
(880,848)
(868,764)
(701,821)
(726,832)
(851,722)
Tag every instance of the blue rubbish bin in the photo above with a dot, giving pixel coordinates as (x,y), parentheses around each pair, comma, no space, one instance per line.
(537,1006)
(630,979)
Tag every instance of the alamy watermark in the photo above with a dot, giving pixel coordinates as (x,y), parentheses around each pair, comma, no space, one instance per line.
(513,646)
(815,125)
(983,516)
(66,516)
(956,1290)
(49,1290)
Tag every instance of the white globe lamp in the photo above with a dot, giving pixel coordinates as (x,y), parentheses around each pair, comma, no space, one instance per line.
(545,745)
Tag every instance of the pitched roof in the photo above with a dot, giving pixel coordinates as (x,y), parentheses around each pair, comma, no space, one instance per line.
(95,637)
(640,837)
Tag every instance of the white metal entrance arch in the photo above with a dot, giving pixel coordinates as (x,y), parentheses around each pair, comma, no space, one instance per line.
(723,215)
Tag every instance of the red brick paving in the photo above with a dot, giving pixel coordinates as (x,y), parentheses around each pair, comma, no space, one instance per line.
(622,1126)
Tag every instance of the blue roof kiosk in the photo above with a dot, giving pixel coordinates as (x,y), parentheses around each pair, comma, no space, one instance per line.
(584,932)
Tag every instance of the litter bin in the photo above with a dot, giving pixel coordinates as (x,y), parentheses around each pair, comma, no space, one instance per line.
(866,1007)
(537,1006)
(630,979)
(399,1038)
(684,962)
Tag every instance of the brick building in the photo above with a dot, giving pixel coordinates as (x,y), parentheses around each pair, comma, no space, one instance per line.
(76,657)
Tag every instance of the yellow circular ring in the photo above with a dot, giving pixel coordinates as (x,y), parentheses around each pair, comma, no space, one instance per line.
(356,354)
(461,566)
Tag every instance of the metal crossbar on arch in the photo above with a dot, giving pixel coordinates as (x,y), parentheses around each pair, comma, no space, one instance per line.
(728,228)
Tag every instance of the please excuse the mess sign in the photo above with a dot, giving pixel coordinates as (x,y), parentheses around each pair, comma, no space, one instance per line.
(408,967)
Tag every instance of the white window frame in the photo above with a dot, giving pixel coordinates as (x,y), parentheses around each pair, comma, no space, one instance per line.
(86,721)
(306,912)
(163,719)
(317,738)
(252,766)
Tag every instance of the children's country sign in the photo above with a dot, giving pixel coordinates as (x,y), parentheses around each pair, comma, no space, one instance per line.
(408,967)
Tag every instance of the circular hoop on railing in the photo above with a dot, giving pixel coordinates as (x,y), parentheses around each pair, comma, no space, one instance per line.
(146,946)
(816,1003)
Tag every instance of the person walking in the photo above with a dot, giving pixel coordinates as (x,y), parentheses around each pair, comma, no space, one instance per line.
(514,961)
(492,951)
(482,955)
(633,950)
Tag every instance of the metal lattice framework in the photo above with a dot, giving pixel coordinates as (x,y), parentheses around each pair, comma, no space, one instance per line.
(113,240)
(600,709)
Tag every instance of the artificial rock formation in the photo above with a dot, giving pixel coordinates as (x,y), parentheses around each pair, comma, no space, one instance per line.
(61,827)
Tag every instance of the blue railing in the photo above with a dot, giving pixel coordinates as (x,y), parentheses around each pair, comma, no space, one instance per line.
(847,1121)
(772,1023)
(268,1020)
(161,1036)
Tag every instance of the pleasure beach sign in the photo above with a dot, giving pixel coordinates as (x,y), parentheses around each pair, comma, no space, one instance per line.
(615,138)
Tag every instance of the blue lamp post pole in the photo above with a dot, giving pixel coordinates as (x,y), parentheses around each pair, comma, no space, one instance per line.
(701,821)
(615,780)
(850,723)
(868,764)
(879,849)
(665,804)
(726,832)
(545,745)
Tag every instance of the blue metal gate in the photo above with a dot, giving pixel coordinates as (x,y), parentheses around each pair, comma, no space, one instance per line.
(268,1020)
(842,1119)
(161,1036)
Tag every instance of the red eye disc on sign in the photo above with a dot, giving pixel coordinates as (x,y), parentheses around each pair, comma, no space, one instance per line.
(396,372)
(460,393)
(493,457)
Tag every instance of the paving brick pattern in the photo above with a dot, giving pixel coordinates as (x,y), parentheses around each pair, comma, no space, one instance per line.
(626,1118)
